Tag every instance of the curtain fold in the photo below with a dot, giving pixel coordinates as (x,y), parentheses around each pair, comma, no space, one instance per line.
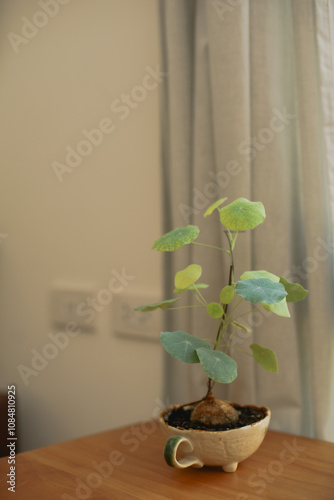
(247,110)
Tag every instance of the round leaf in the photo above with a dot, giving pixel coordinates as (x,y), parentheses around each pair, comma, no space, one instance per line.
(217,365)
(242,214)
(156,305)
(227,294)
(176,238)
(265,357)
(187,276)
(215,310)
(182,346)
(214,205)
(260,290)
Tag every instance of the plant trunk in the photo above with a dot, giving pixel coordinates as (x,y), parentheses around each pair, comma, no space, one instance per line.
(212,411)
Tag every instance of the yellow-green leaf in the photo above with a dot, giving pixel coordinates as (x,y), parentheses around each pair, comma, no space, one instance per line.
(296,292)
(187,276)
(227,294)
(214,205)
(265,357)
(280,308)
(259,274)
(215,310)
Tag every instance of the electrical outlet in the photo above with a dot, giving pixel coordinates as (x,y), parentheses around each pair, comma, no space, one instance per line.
(64,307)
(136,324)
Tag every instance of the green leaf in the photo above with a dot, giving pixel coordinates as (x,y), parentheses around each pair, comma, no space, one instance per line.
(176,238)
(260,290)
(265,357)
(157,305)
(227,294)
(182,346)
(214,205)
(281,308)
(178,291)
(215,310)
(187,276)
(259,274)
(217,365)
(295,291)
(242,214)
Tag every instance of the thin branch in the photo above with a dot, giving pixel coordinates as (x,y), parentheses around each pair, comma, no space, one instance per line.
(181,307)
(211,246)
(200,295)
(244,314)
(223,323)
(237,304)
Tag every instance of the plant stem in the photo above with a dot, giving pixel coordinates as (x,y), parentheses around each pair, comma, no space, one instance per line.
(245,314)
(211,246)
(203,301)
(229,340)
(181,307)
(237,304)
(223,322)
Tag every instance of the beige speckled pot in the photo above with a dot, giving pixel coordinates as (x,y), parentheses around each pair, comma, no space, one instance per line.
(224,448)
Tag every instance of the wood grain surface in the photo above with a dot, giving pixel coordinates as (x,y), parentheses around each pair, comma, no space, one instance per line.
(128,463)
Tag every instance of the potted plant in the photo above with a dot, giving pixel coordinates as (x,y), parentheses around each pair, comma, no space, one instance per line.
(211,431)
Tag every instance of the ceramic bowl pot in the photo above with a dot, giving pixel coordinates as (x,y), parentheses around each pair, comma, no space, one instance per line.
(222,448)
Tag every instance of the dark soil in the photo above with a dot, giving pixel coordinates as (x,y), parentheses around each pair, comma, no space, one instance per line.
(180,418)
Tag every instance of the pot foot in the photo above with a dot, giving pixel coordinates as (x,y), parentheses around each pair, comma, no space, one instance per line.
(232,467)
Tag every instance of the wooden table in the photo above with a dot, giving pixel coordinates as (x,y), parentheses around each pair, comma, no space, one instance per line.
(128,463)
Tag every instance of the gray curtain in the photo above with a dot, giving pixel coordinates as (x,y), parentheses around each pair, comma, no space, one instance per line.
(247,110)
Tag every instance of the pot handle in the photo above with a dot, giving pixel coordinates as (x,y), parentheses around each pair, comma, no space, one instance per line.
(170,451)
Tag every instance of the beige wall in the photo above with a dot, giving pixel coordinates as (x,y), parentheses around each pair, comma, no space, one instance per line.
(102,217)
